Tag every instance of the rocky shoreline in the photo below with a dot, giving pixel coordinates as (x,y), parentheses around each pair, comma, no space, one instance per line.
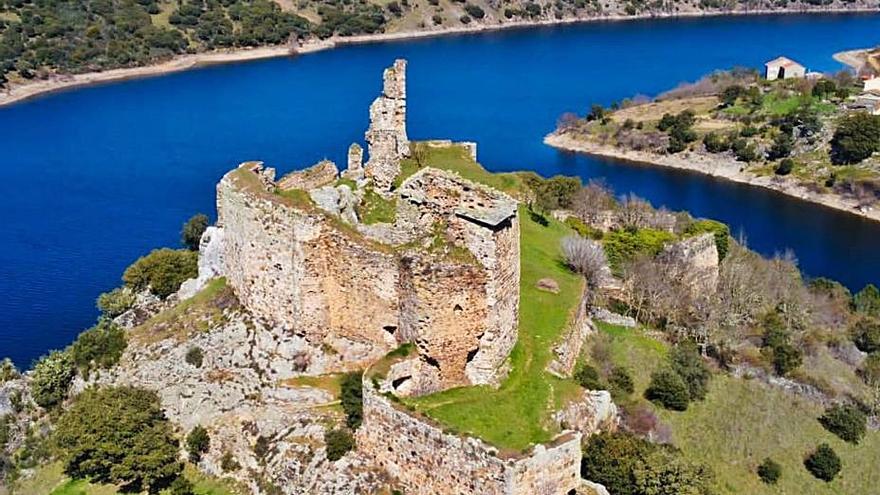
(720,167)
(55,83)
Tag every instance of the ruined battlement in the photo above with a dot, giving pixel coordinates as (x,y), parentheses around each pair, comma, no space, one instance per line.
(442,275)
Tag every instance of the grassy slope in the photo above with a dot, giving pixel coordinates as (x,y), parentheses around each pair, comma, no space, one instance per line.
(741,422)
(516,415)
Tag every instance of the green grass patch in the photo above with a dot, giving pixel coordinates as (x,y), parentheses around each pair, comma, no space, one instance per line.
(516,415)
(376,209)
(457,159)
(196,314)
(331,383)
(298,197)
(741,422)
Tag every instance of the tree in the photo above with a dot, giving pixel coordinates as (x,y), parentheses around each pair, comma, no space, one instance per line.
(7,371)
(191,234)
(669,390)
(715,143)
(118,435)
(823,463)
(620,381)
(51,378)
(846,421)
(769,471)
(352,398)
(867,301)
(782,146)
(610,458)
(785,166)
(116,302)
(585,256)
(339,441)
(665,472)
(866,334)
(99,347)
(162,271)
(856,138)
(597,112)
(197,443)
(588,378)
(685,360)
(786,358)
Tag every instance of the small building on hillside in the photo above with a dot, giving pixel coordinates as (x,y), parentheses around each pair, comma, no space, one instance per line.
(784,68)
(868,101)
(872,84)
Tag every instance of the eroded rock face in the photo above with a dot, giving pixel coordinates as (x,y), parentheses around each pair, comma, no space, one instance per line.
(245,388)
(355,170)
(594,411)
(694,263)
(210,262)
(386,137)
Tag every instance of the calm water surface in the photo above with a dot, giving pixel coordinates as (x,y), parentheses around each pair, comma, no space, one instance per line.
(92,179)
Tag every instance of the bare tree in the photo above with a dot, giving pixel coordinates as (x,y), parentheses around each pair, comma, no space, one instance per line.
(586,257)
(593,201)
(635,212)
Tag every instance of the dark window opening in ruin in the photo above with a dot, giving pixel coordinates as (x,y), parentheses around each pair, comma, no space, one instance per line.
(433,362)
(390,329)
(278,266)
(572,492)
(472,354)
(458,308)
(400,381)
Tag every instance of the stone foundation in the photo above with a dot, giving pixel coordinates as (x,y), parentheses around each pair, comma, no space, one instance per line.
(427,461)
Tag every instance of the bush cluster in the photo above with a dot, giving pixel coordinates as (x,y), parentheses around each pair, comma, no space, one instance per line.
(339,441)
(162,271)
(777,343)
(856,138)
(823,463)
(769,471)
(197,443)
(51,378)
(685,379)
(352,397)
(99,347)
(846,421)
(116,302)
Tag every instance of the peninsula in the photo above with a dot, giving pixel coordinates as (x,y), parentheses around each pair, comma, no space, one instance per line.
(162,36)
(812,137)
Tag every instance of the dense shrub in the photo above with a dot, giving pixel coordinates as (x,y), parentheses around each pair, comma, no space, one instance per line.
(339,441)
(846,421)
(51,378)
(352,397)
(856,138)
(583,229)
(782,146)
(98,347)
(553,193)
(685,360)
(465,19)
(228,463)
(720,230)
(669,390)
(119,436)
(769,471)
(786,358)
(620,381)
(628,465)
(715,143)
(784,167)
(197,443)
(474,11)
(195,356)
(622,246)
(7,370)
(262,447)
(191,233)
(744,151)
(867,301)
(116,302)
(823,463)
(866,334)
(588,378)
(163,270)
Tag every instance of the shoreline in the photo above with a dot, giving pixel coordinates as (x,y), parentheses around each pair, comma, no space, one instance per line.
(58,83)
(718,168)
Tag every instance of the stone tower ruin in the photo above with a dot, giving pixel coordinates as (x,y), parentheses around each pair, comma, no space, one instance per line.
(386,137)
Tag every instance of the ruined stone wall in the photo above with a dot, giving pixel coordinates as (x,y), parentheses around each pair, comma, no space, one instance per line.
(298,271)
(427,461)
(443,311)
(693,262)
(569,347)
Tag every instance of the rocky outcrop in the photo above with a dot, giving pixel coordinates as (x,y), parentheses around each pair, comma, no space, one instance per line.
(386,137)
(590,413)
(693,262)
(355,169)
(210,262)
(613,318)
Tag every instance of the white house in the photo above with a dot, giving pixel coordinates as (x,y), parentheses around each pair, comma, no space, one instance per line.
(872,84)
(784,68)
(868,101)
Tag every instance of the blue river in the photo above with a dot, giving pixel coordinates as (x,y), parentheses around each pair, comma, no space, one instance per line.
(93,178)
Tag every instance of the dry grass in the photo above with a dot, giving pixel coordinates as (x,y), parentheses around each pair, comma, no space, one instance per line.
(652,112)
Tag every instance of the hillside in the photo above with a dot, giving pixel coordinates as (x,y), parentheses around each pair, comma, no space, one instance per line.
(39,39)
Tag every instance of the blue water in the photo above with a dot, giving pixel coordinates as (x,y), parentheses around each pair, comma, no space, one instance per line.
(93,178)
